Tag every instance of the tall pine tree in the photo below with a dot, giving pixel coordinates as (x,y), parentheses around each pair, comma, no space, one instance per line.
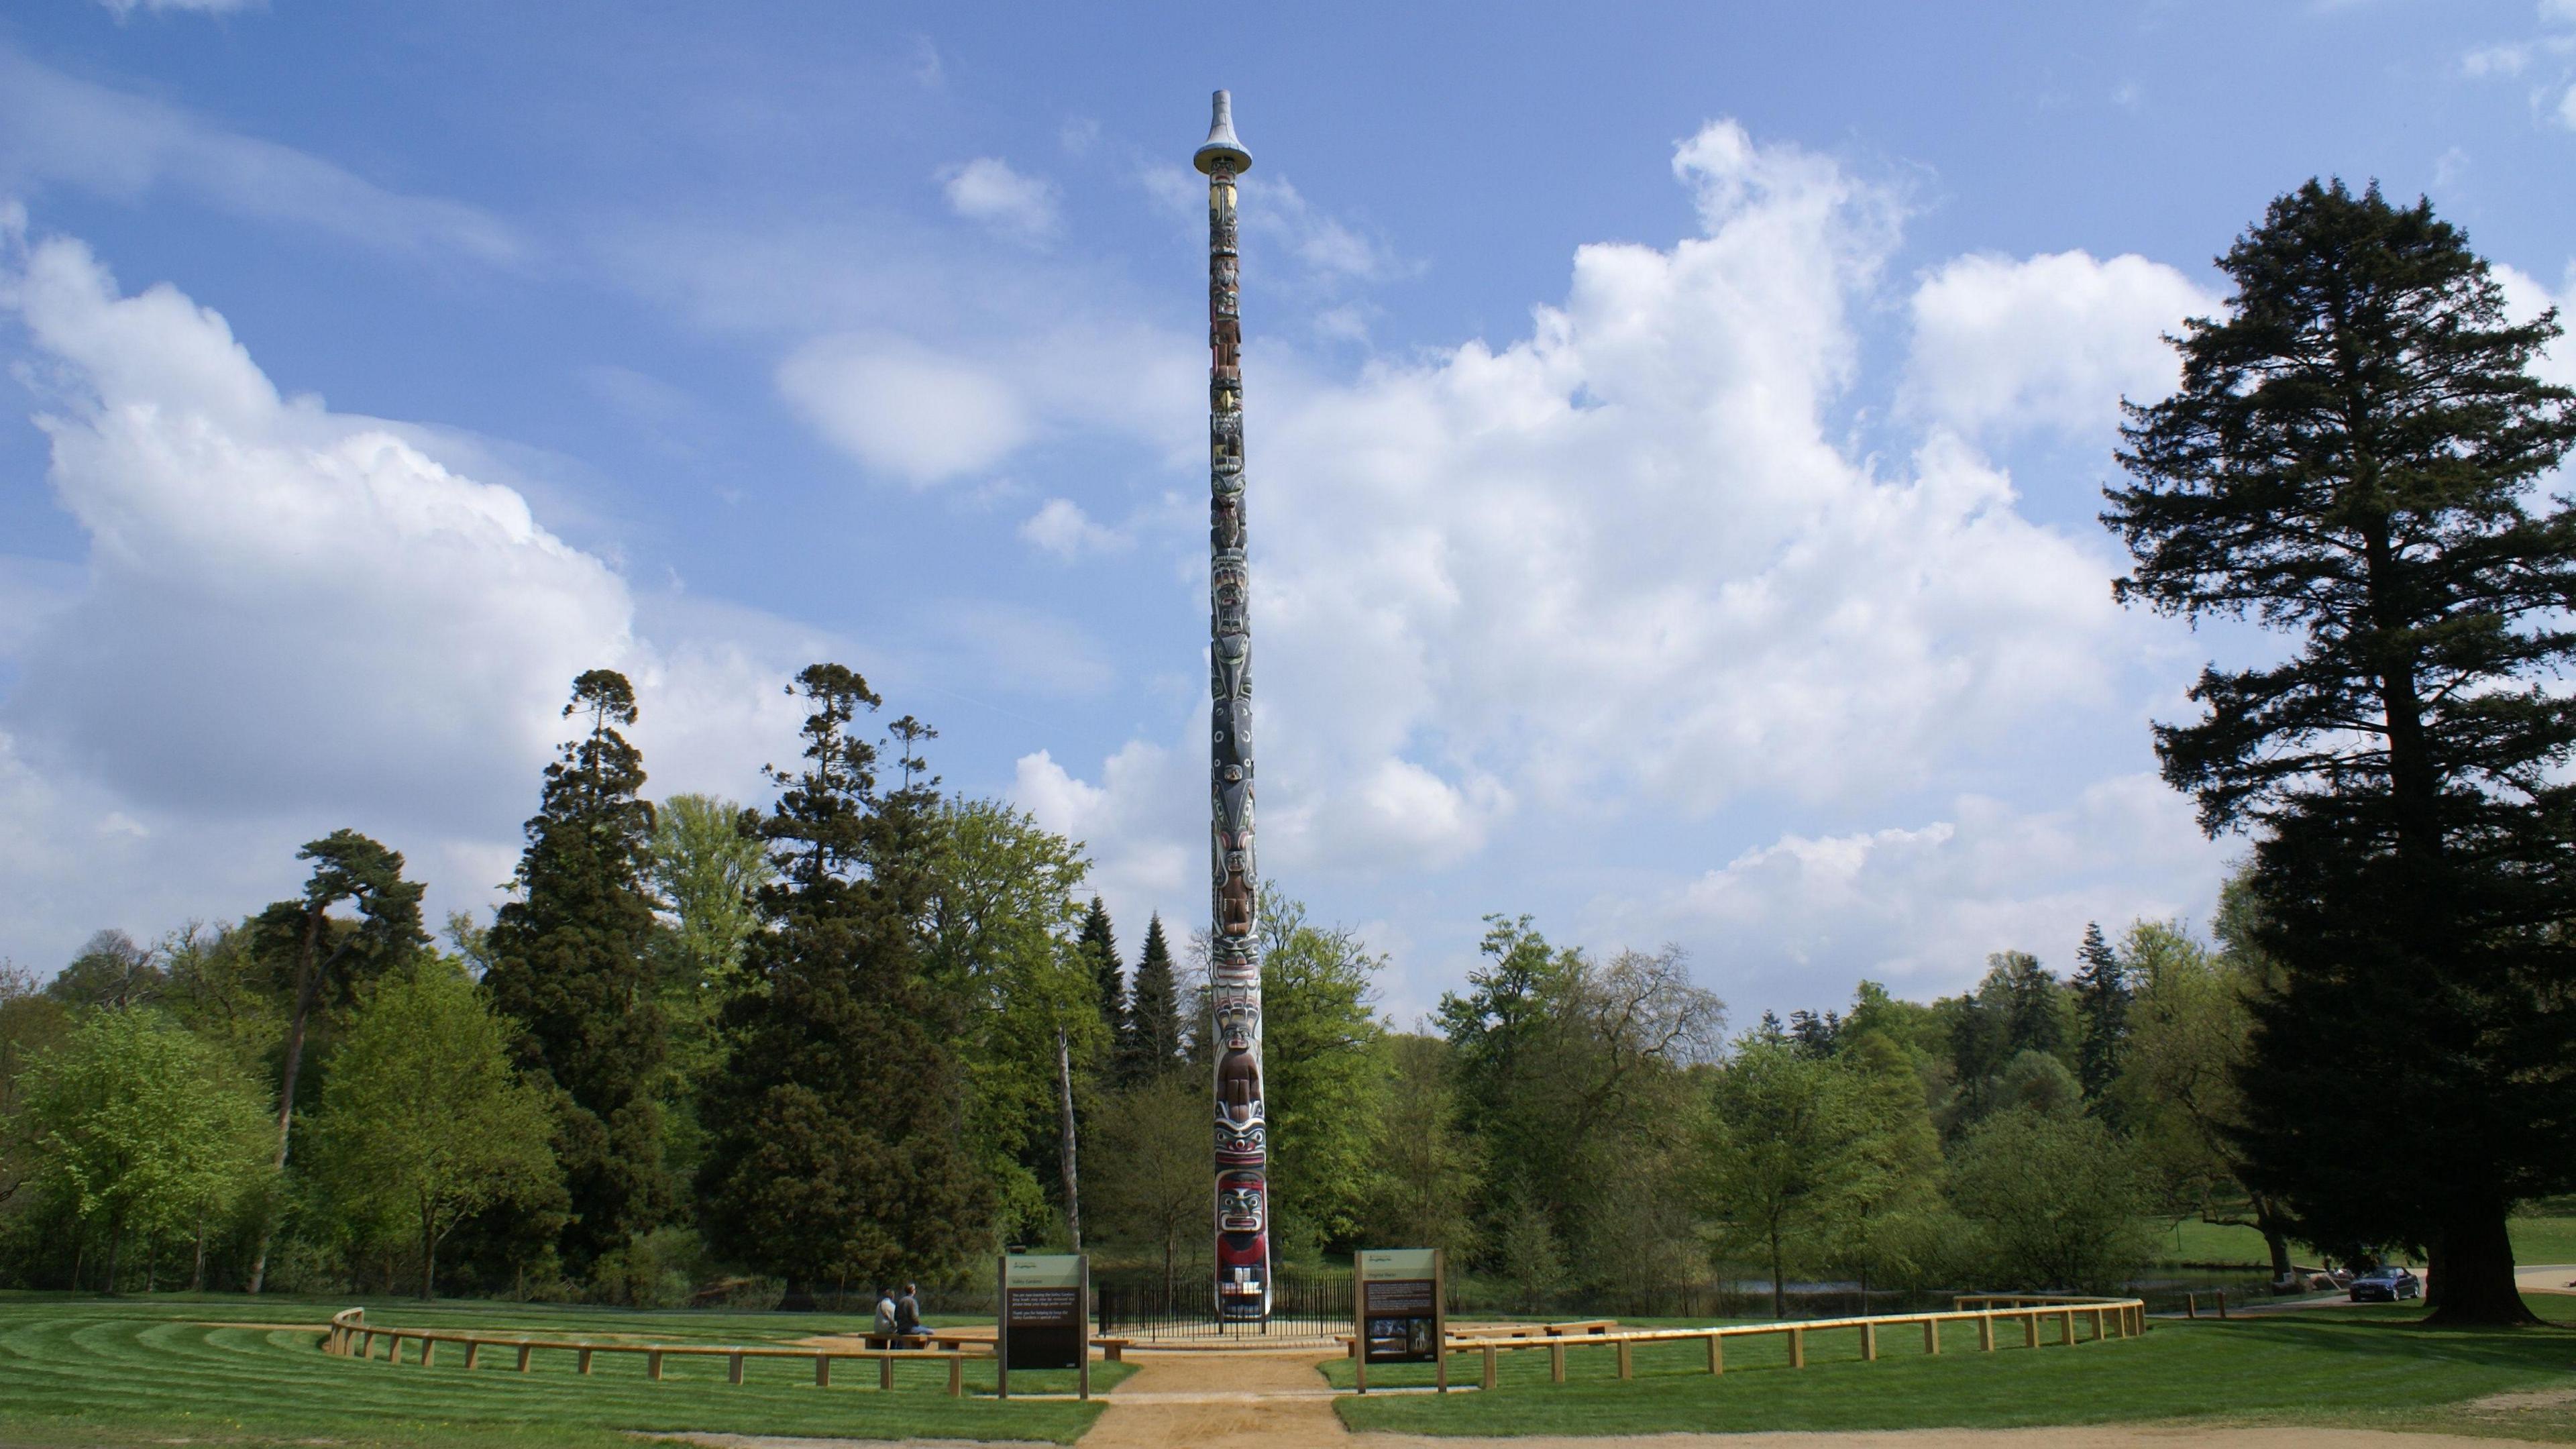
(2351,458)
(572,964)
(2102,993)
(835,1144)
(1151,1045)
(1098,945)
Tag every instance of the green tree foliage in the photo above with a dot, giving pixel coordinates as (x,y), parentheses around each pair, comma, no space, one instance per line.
(2351,459)
(2020,1006)
(836,1145)
(1323,1077)
(1153,1044)
(317,960)
(1428,1171)
(2057,1200)
(2191,1028)
(997,939)
(572,966)
(1783,1156)
(31,1023)
(708,866)
(423,1121)
(2102,992)
(1148,1180)
(1887,1220)
(110,971)
(1572,1077)
(134,1128)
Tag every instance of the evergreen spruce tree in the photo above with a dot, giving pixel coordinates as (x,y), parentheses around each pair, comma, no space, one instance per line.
(572,964)
(835,1147)
(2102,993)
(1152,1044)
(2350,459)
(1099,946)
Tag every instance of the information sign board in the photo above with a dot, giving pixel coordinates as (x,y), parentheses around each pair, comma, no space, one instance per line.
(1046,1316)
(1399,1314)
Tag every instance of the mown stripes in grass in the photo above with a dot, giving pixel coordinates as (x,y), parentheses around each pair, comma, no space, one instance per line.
(87,1371)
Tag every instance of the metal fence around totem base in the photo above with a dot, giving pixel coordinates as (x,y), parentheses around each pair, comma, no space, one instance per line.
(1142,1306)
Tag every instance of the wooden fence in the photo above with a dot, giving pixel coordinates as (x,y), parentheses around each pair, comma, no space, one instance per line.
(351,1337)
(2108,1318)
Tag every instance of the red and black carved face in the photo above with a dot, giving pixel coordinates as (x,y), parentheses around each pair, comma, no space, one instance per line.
(1242,1202)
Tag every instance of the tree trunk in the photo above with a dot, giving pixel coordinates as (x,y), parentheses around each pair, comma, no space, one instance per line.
(1072,1177)
(428,1257)
(308,990)
(2276,1241)
(2472,1273)
(1779,1287)
(197,1274)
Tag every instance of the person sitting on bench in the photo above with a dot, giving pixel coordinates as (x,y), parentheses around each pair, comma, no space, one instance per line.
(881,1333)
(907,1319)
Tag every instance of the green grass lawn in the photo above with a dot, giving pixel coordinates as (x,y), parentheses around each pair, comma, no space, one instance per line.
(2535,1240)
(132,1371)
(2367,1367)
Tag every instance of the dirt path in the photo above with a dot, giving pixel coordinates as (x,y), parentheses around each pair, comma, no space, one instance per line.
(1219,1401)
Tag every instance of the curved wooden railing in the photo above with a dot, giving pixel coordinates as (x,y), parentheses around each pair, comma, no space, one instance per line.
(351,1336)
(2109,1318)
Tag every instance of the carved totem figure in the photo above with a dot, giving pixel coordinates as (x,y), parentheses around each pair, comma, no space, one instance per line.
(1234,956)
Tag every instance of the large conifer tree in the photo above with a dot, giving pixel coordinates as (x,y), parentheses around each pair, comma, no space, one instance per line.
(835,1145)
(1151,1044)
(2350,459)
(1098,944)
(2102,993)
(572,965)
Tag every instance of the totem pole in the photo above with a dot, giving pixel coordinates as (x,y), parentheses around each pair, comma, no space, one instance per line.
(1234,957)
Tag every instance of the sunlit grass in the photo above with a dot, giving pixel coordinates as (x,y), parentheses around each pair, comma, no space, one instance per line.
(89,1371)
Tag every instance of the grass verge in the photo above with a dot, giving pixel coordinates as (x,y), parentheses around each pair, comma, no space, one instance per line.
(92,1371)
(2362,1367)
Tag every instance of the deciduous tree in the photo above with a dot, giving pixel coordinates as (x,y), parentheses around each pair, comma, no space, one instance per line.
(423,1118)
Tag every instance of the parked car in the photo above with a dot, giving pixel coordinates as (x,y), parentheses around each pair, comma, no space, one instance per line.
(2386,1285)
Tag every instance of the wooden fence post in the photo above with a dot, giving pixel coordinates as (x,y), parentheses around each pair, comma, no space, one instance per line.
(1797,1348)
(733,1367)
(1868,1342)
(428,1347)
(585,1360)
(2029,1328)
(2066,1327)
(957,1377)
(1556,1363)
(653,1364)
(1490,1366)
(885,1374)
(1627,1367)
(822,1370)
(2222,1303)
(1716,1354)
(472,1346)
(1986,1332)
(1931,1335)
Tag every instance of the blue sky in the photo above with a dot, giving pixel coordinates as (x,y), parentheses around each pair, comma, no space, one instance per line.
(1674,432)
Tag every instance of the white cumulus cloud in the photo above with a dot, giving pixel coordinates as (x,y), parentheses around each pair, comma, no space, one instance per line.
(1063,529)
(987,190)
(2004,346)
(1620,567)
(292,619)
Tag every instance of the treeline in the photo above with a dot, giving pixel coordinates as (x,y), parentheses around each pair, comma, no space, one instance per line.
(817,1046)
